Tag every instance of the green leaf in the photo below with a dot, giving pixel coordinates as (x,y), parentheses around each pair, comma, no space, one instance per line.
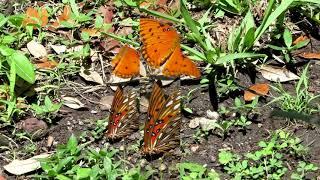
(72,144)
(287,37)
(191,24)
(6,51)
(8,39)
(230,57)
(74,7)
(62,177)
(271,16)
(24,68)
(99,22)
(3,20)
(225,157)
(83,173)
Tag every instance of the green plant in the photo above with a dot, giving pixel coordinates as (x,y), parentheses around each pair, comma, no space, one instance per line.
(77,161)
(189,171)
(301,101)
(47,110)
(267,162)
(302,169)
(289,47)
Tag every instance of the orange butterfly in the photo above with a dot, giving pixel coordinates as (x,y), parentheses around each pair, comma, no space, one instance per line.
(126,63)
(161,46)
(123,119)
(162,127)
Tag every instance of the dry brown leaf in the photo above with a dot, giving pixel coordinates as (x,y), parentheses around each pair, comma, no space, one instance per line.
(310,55)
(260,89)
(36,49)
(91,31)
(72,103)
(91,76)
(107,13)
(59,49)
(46,64)
(300,39)
(276,74)
(34,16)
(19,167)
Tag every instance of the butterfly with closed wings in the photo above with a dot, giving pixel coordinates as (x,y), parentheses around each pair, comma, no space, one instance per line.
(123,119)
(162,127)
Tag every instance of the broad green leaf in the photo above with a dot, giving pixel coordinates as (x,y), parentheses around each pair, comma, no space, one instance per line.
(6,51)
(83,173)
(287,37)
(3,20)
(24,67)
(62,177)
(72,144)
(98,22)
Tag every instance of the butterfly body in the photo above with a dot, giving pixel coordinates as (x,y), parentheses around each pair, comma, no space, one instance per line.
(161,49)
(126,63)
(123,119)
(162,126)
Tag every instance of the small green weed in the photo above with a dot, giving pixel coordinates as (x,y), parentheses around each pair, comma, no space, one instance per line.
(190,171)
(289,47)
(48,110)
(268,162)
(301,101)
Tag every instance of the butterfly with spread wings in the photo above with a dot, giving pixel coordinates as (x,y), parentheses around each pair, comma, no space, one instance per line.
(162,127)
(123,119)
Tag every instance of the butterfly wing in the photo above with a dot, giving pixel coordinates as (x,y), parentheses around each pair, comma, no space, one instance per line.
(178,65)
(165,127)
(156,102)
(126,63)
(123,116)
(159,40)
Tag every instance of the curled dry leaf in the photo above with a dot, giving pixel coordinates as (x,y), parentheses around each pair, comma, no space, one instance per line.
(36,49)
(276,74)
(19,167)
(259,89)
(310,55)
(72,103)
(91,76)
(300,39)
(59,49)
(117,80)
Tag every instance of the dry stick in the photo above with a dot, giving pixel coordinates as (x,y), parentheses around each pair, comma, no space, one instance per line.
(78,93)
(102,67)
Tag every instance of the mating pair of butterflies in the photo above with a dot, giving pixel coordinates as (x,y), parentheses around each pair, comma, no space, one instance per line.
(162,126)
(161,50)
